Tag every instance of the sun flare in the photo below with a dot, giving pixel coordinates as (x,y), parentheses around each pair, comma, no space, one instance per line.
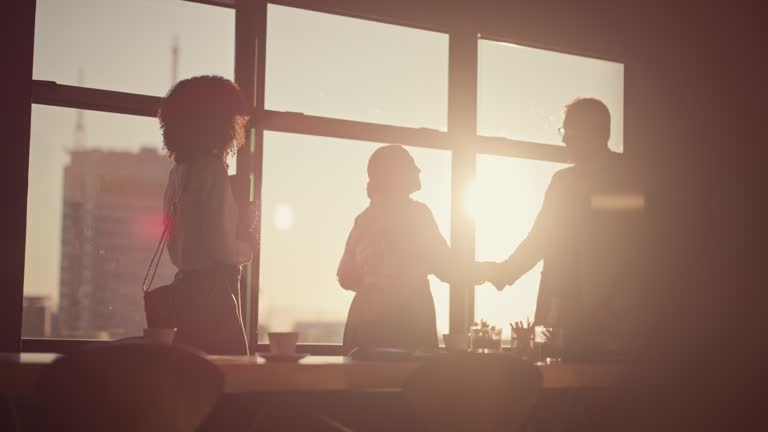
(283,217)
(478,200)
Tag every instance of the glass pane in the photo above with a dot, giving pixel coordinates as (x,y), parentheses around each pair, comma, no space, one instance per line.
(93,220)
(313,188)
(353,69)
(522,91)
(128,45)
(505,200)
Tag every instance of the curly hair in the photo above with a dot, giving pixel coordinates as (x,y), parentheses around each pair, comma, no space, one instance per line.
(203,115)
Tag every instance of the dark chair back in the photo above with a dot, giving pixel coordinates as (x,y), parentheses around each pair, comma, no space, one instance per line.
(473,392)
(128,387)
(7,414)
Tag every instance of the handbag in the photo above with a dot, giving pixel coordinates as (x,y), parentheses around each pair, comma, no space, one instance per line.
(162,304)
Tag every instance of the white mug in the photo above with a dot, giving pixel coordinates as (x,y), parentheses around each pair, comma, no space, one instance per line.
(283,343)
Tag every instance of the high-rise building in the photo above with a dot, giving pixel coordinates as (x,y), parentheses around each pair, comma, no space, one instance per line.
(36,321)
(320,331)
(112,220)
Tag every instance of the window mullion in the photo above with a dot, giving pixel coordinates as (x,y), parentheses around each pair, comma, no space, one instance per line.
(520,149)
(51,93)
(298,123)
(219,3)
(462,129)
(250,58)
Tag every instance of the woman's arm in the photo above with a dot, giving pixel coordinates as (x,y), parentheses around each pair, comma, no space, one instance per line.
(348,273)
(436,250)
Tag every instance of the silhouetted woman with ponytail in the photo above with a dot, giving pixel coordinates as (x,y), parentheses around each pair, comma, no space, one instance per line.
(392,248)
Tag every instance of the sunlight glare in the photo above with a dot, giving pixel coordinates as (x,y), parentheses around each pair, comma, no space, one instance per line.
(478,200)
(471,200)
(283,217)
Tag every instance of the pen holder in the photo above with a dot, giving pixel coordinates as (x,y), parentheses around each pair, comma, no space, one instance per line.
(523,341)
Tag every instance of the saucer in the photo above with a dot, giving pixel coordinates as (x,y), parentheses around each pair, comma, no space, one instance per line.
(287,358)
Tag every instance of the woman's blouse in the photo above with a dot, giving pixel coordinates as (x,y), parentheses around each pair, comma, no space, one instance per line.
(204,227)
(392,246)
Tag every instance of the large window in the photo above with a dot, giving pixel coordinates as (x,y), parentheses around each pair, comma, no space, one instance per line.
(96,178)
(96,173)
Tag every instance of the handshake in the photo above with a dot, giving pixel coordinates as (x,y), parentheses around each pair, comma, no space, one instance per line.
(488,271)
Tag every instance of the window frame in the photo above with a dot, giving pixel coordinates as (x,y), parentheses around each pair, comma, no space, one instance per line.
(461,137)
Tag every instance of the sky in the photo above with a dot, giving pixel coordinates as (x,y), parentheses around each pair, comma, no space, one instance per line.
(313,187)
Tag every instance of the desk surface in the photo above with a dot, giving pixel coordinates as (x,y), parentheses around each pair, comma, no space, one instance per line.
(318,374)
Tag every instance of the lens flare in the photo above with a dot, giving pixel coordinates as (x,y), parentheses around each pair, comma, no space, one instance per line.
(283,217)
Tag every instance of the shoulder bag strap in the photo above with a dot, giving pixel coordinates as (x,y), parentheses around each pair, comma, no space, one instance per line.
(161,244)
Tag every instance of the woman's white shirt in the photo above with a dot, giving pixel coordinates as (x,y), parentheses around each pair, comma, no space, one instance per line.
(204,227)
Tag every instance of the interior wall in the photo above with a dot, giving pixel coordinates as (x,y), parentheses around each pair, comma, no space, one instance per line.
(17,40)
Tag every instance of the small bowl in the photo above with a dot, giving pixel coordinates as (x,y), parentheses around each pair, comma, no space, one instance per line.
(283,343)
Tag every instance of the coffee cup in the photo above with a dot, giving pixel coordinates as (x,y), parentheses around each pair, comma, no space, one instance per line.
(283,343)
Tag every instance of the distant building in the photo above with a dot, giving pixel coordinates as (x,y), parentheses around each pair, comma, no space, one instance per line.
(320,331)
(112,220)
(36,317)
(261,333)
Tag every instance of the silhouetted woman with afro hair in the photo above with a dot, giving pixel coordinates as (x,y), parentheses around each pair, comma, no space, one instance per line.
(203,120)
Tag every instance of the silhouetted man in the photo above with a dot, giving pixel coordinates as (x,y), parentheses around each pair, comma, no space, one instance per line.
(583,232)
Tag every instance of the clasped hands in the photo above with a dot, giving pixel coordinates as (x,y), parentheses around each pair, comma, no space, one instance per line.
(489,271)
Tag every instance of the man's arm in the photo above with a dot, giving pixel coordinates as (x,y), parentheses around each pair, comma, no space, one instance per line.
(540,238)
(435,249)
